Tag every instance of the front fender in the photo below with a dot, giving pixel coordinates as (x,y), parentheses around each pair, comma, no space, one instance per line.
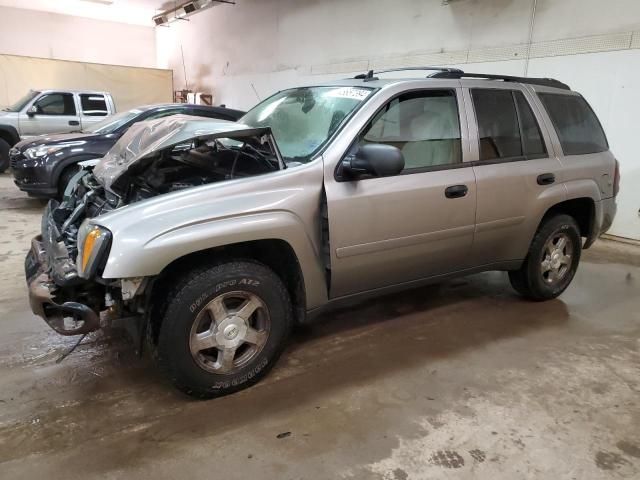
(283,205)
(149,258)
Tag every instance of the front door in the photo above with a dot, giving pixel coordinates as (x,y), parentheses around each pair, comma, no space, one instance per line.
(393,230)
(54,113)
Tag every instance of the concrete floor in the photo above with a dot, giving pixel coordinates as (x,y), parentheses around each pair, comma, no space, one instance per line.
(461,380)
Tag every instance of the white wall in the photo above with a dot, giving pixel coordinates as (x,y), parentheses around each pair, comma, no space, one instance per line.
(249,50)
(64,37)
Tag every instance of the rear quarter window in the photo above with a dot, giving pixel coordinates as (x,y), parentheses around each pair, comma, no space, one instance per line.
(93,105)
(578,128)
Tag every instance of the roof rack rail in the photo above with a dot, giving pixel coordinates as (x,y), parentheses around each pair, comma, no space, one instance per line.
(370,75)
(445,72)
(437,69)
(546,82)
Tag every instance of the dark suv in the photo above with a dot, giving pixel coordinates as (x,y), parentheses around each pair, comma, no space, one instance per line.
(43,166)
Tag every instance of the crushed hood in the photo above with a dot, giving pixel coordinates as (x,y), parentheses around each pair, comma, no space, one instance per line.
(144,138)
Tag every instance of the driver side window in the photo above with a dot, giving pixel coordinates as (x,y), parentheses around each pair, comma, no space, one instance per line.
(55,104)
(424,125)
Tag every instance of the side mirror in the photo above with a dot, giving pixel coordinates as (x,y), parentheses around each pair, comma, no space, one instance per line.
(32,110)
(374,159)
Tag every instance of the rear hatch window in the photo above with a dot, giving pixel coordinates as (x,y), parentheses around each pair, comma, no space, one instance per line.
(575,122)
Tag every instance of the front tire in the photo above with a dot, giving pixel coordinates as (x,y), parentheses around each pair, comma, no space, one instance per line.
(224,328)
(4,155)
(65,177)
(552,260)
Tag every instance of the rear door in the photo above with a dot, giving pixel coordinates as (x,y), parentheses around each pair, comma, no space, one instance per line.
(517,171)
(392,230)
(56,112)
(93,108)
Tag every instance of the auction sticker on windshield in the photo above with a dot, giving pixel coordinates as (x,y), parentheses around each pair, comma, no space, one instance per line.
(354,93)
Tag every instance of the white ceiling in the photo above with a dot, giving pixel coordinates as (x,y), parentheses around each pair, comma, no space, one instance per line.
(138,12)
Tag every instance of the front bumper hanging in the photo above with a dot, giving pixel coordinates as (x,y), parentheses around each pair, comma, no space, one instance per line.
(67,318)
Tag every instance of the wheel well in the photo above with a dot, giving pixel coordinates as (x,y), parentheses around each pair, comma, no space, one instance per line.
(274,253)
(581,209)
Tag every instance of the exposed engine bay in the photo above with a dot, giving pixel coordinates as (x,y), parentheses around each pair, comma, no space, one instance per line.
(209,162)
(182,166)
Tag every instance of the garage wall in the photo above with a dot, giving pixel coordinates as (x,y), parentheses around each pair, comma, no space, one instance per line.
(248,51)
(49,50)
(129,86)
(49,35)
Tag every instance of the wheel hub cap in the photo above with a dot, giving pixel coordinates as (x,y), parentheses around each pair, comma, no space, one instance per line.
(556,258)
(229,332)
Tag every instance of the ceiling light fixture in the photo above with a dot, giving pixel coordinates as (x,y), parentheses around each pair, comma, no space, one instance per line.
(185,9)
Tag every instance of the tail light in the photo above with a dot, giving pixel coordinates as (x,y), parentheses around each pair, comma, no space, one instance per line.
(616,179)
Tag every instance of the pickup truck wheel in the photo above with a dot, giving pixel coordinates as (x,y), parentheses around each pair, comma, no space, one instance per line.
(4,155)
(224,328)
(552,260)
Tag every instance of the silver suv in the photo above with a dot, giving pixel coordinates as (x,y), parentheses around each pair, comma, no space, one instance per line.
(50,111)
(215,238)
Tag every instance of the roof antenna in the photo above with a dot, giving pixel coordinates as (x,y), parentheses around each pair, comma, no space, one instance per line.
(184,69)
(366,76)
(256,92)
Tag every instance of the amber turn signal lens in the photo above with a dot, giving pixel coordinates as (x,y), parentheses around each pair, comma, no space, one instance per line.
(89,243)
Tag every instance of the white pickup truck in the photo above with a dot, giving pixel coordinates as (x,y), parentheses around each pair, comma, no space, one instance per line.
(50,111)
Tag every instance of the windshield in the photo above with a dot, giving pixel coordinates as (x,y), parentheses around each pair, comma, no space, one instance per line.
(303,119)
(112,123)
(20,104)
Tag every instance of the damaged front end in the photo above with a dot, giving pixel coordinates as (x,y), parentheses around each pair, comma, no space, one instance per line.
(56,292)
(65,264)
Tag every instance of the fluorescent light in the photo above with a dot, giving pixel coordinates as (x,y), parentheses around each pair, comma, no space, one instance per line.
(185,9)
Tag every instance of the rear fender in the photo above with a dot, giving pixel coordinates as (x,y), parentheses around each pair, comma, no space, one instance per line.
(588,188)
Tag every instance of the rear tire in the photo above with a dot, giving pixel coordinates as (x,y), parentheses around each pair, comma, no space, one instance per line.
(4,155)
(552,260)
(223,329)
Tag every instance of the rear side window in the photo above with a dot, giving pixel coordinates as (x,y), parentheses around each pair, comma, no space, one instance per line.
(532,143)
(578,127)
(506,126)
(93,105)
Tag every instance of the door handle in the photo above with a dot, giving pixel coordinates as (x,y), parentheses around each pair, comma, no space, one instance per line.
(546,179)
(74,123)
(456,191)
